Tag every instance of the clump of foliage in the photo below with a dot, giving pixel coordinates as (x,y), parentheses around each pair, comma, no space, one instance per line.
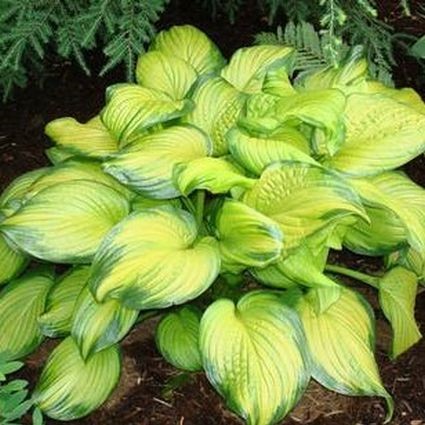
(29,27)
(201,174)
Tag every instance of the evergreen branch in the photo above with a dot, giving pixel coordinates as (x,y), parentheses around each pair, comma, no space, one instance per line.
(365,28)
(135,27)
(27,27)
(331,21)
(229,7)
(295,10)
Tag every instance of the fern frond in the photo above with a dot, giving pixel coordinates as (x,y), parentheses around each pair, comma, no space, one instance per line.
(376,37)
(307,42)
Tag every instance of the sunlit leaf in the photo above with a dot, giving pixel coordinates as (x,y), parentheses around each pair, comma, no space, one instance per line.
(302,267)
(253,354)
(131,110)
(11,196)
(247,237)
(302,198)
(57,317)
(97,326)
(57,155)
(397,203)
(218,105)
(21,304)
(277,83)
(91,139)
(166,73)
(12,260)
(140,203)
(74,169)
(217,175)
(255,154)
(381,134)
(397,294)
(154,259)
(177,338)
(67,221)
(70,388)
(341,342)
(349,77)
(249,65)
(411,260)
(320,109)
(146,165)
(191,45)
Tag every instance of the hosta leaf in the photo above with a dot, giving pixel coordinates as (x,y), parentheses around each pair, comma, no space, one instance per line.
(383,234)
(247,237)
(91,139)
(217,175)
(191,45)
(140,203)
(349,78)
(320,109)
(12,260)
(70,388)
(9,199)
(57,318)
(302,198)
(293,137)
(57,155)
(218,105)
(131,110)
(341,342)
(97,326)
(177,338)
(74,169)
(411,260)
(146,165)
(166,73)
(21,303)
(407,95)
(259,116)
(378,127)
(70,231)
(154,259)
(302,267)
(249,65)
(255,154)
(401,203)
(397,294)
(277,83)
(253,354)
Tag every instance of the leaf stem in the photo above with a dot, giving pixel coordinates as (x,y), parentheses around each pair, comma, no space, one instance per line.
(199,207)
(189,205)
(362,277)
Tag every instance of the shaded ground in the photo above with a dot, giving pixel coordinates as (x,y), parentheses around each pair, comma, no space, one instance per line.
(140,399)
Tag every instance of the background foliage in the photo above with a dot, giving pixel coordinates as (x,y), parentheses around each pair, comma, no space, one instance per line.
(32,30)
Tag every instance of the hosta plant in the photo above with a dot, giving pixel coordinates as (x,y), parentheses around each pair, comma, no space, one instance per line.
(211,193)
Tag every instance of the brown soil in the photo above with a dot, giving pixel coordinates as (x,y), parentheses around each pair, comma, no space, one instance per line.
(141,397)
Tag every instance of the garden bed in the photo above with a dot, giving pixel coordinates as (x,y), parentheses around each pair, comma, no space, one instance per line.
(142,397)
